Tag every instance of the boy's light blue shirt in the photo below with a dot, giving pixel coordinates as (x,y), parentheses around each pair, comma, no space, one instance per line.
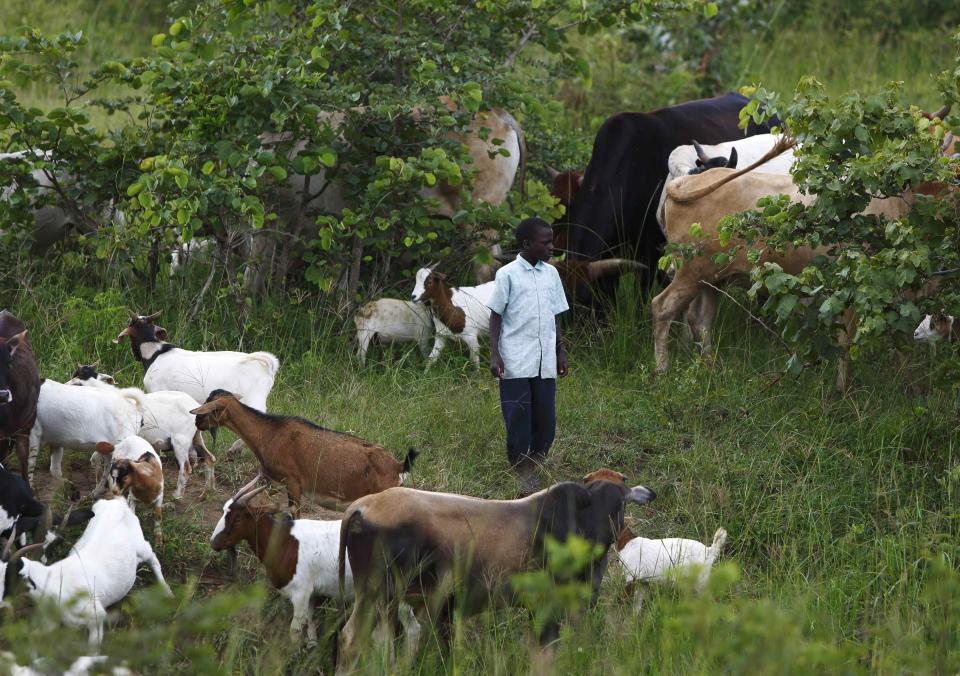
(528,297)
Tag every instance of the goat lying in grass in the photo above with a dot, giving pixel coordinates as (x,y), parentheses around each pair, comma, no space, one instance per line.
(332,466)
(646,560)
(135,469)
(99,571)
(299,555)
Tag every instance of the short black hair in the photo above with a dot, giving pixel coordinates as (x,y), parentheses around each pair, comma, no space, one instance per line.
(528,228)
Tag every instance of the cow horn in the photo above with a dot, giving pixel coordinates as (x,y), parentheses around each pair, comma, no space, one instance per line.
(551,172)
(700,153)
(732,162)
(612,266)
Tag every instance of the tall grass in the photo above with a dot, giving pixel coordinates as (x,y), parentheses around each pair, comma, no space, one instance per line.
(838,509)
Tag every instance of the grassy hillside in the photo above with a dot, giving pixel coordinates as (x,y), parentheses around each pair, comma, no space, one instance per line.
(838,509)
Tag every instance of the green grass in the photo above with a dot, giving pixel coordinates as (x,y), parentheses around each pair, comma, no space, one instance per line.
(836,508)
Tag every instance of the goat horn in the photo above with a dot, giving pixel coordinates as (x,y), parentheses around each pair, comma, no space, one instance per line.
(551,172)
(943,112)
(25,550)
(612,266)
(247,497)
(947,140)
(154,315)
(247,487)
(5,556)
(700,153)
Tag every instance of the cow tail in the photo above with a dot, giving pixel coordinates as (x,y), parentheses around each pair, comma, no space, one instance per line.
(522,144)
(675,191)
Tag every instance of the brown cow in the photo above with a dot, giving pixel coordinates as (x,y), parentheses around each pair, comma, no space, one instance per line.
(19,389)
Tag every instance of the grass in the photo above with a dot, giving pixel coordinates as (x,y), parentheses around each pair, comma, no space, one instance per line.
(838,509)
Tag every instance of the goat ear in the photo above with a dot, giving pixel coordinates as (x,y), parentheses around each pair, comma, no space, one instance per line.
(104,447)
(160,333)
(640,495)
(108,379)
(204,408)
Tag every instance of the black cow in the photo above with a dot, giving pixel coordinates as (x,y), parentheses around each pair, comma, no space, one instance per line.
(19,389)
(614,211)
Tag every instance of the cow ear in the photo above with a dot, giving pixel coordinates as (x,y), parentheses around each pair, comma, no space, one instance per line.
(16,341)
(104,447)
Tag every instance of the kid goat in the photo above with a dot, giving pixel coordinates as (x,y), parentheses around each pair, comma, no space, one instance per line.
(135,470)
(300,555)
(460,313)
(330,465)
(99,571)
(167,423)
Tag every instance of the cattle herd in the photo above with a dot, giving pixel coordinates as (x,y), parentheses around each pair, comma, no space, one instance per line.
(398,553)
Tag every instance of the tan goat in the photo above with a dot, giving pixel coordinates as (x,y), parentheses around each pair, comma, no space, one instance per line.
(334,467)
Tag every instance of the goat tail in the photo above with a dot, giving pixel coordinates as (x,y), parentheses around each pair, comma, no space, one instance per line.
(675,190)
(408,461)
(345,527)
(269,360)
(719,540)
(134,394)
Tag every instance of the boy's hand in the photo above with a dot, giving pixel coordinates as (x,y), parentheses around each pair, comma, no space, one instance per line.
(496,365)
(562,365)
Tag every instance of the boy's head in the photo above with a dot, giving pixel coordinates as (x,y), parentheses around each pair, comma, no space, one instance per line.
(535,239)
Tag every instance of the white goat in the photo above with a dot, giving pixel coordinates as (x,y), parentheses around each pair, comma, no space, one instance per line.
(277,540)
(646,560)
(169,367)
(937,327)
(388,321)
(82,666)
(70,417)
(99,571)
(167,424)
(460,313)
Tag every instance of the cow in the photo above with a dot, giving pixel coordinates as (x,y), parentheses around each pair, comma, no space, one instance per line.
(19,389)
(488,133)
(615,207)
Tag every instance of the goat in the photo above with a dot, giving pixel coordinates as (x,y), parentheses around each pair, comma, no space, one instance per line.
(300,555)
(99,571)
(388,321)
(330,465)
(460,313)
(427,546)
(646,560)
(81,666)
(936,327)
(19,390)
(20,512)
(135,469)
(168,367)
(70,417)
(167,424)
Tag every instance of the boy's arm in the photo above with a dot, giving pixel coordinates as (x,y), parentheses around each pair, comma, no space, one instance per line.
(562,365)
(496,361)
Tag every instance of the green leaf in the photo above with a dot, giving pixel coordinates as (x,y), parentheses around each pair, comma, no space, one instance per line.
(278,172)
(207,168)
(133,189)
(710,10)
(158,39)
(183,216)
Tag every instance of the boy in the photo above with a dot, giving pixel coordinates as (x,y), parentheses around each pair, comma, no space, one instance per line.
(525,351)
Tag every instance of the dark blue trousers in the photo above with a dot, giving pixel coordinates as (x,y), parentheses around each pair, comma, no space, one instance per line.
(529,408)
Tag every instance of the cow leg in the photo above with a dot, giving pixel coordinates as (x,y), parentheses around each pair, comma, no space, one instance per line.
(705,305)
(665,307)
(348,652)
(21,443)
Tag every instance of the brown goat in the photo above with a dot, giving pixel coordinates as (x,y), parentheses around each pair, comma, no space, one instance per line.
(332,466)
(439,297)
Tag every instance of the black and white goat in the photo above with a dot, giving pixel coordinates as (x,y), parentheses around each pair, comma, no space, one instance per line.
(99,571)
(167,424)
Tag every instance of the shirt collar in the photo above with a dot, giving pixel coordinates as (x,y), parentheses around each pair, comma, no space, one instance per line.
(526,264)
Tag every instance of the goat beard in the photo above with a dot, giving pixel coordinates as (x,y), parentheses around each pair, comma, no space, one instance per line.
(232,560)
